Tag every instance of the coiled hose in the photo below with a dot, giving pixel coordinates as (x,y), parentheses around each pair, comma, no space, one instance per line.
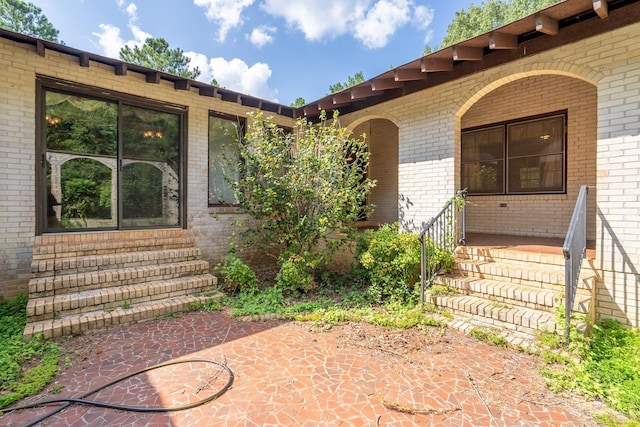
(68,401)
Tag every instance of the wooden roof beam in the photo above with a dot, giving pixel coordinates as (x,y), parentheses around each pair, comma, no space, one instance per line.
(383,84)
(503,41)
(546,25)
(326,104)
(84,60)
(209,91)
(121,69)
(341,98)
(429,65)
(40,48)
(408,74)
(311,109)
(358,92)
(601,7)
(182,84)
(467,53)
(153,77)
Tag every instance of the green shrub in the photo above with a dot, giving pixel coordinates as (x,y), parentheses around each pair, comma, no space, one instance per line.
(238,276)
(391,262)
(295,274)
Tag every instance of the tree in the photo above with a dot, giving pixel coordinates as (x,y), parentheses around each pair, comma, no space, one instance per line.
(156,54)
(298,187)
(26,18)
(299,102)
(357,78)
(487,16)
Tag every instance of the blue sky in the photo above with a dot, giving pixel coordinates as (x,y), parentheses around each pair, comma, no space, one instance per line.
(273,49)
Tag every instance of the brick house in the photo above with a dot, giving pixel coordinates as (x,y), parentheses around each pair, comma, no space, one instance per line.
(461,117)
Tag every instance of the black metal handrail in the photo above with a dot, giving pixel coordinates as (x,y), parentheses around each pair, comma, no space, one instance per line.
(574,250)
(445,231)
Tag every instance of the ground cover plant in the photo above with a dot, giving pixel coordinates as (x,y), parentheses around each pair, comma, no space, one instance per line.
(605,366)
(25,367)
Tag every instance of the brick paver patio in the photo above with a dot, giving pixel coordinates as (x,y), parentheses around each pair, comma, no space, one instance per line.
(288,375)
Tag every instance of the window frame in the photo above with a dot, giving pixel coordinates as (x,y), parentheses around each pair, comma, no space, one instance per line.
(46,84)
(506,126)
(241,128)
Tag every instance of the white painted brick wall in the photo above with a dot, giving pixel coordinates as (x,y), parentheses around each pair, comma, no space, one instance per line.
(429,130)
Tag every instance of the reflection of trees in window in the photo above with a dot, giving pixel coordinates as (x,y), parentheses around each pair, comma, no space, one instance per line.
(151,135)
(80,125)
(141,191)
(86,192)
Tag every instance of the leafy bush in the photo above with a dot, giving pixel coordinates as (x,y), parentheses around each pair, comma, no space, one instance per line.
(299,187)
(238,276)
(391,262)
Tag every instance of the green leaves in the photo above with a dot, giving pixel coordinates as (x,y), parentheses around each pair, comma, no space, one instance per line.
(156,54)
(26,18)
(301,186)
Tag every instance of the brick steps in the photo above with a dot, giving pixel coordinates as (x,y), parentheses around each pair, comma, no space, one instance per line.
(90,281)
(483,312)
(91,321)
(88,263)
(513,291)
(74,282)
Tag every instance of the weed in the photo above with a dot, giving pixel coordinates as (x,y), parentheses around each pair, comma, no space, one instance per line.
(126,304)
(488,337)
(606,366)
(25,367)
(56,388)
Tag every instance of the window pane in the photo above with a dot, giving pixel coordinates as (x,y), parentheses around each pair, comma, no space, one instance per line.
(484,144)
(483,161)
(82,195)
(536,137)
(536,174)
(150,168)
(150,135)
(80,125)
(483,177)
(223,158)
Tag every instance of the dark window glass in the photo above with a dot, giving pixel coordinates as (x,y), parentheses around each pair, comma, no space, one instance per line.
(535,157)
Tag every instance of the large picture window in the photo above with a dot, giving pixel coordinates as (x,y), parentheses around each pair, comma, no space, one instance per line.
(521,157)
(224,133)
(109,163)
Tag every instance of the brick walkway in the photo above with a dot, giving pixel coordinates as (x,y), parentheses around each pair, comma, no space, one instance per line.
(288,375)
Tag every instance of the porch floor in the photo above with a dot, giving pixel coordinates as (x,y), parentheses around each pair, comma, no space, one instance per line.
(546,245)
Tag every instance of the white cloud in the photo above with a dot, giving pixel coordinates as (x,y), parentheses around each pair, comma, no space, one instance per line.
(109,38)
(235,75)
(372,22)
(226,13)
(381,22)
(261,36)
(422,17)
(318,20)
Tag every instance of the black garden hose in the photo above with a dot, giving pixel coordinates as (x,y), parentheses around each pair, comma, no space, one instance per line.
(70,400)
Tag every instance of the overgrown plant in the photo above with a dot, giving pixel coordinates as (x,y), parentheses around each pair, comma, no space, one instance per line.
(299,187)
(391,262)
(25,367)
(605,366)
(238,276)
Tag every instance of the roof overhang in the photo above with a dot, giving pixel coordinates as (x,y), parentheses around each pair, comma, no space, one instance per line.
(555,26)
